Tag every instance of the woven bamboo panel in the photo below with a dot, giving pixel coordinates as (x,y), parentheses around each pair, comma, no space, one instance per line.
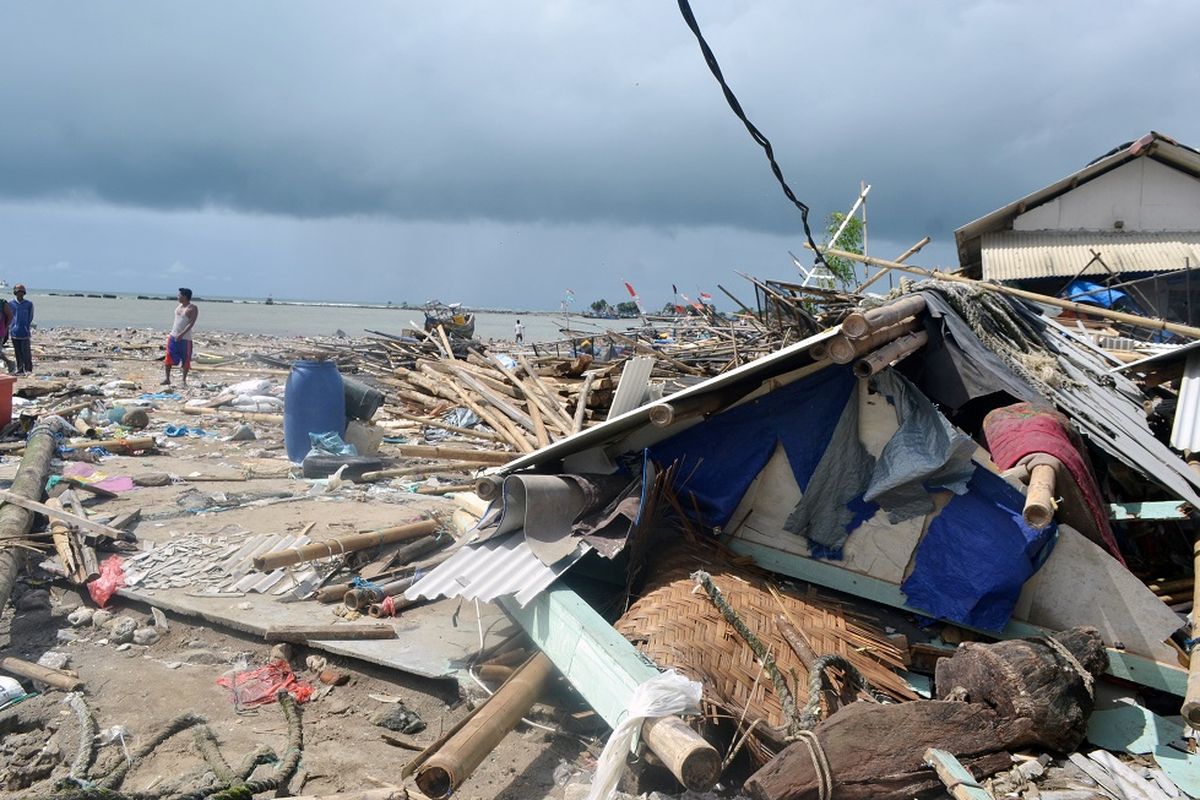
(676,625)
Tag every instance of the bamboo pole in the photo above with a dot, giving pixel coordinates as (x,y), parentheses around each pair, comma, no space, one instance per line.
(457,758)
(489,487)
(303,634)
(553,405)
(344,544)
(693,761)
(581,402)
(862,287)
(859,324)
(253,416)
(356,599)
(437,423)
(453,453)
(890,353)
(843,350)
(59,679)
(1079,308)
(129,445)
(419,469)
(1039,498)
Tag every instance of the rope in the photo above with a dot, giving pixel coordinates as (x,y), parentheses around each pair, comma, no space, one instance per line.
(759,138)
(820,764)
(387,606)
(232,787)
(786,699)
(85,754)
(1058,647)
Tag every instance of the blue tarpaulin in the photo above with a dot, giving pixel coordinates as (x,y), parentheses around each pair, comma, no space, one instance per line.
(721,457)
(978,553)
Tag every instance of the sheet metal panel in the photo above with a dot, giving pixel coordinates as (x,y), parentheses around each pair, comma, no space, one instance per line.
(1185,430)
(1014,255)
(496,568)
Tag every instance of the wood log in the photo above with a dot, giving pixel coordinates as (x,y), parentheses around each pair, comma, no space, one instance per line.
(1039,498)
(344,544)
(77,565)
(875,752)
(59,679)
(16,521)
(1030,684)
(457,758)
(489,487)
(303,634)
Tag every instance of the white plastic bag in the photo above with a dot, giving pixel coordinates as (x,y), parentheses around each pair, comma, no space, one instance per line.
(663,695)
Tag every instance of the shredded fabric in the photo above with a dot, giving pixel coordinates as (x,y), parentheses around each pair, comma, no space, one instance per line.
(260,686)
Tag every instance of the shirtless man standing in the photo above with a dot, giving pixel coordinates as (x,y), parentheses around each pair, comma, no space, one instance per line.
(179,343)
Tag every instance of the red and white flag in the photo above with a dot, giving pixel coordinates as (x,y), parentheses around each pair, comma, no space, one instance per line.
(636,300)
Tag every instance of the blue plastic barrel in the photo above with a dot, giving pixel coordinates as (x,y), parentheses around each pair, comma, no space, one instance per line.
(314,402)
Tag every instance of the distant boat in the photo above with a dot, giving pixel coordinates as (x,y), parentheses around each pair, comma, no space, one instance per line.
(452,318)
(269,301)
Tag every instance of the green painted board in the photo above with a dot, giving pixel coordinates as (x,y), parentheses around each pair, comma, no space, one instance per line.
(1158,509)
(599,662)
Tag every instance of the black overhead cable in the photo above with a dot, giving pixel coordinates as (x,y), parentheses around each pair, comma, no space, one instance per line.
(761,140)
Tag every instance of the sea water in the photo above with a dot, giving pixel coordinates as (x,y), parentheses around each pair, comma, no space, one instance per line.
(294,319)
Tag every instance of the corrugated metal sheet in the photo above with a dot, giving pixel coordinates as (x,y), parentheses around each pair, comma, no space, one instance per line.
(1185,431)
(631,388)
(496,568)
(1013,255)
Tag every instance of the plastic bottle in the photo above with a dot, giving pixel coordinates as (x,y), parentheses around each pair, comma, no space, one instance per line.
(314,402)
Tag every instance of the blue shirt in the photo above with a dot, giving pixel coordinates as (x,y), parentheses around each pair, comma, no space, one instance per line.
(22,318)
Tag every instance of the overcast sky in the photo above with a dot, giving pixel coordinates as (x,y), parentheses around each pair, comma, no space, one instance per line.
(500,153)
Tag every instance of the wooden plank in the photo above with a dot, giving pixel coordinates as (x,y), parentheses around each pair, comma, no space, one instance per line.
(58,514)
(1127,666)
(600,663)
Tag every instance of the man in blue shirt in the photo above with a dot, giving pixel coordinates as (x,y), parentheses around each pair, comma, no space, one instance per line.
(21,328)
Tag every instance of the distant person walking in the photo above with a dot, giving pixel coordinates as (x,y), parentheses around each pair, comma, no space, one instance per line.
(519,332)
(21,329)
(179,343)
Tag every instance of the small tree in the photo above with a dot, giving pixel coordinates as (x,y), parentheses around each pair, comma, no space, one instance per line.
(600,306)
(851,241)
(627,309)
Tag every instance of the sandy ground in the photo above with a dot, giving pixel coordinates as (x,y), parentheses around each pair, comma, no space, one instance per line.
(143,687)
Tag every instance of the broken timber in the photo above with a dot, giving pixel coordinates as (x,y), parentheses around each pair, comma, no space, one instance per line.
(606,669)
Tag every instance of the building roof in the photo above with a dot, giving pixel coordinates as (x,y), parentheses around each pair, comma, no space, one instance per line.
(1026,255)
(1153,145)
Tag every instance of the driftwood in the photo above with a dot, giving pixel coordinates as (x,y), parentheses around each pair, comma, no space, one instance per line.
(1031,684)
(876,751)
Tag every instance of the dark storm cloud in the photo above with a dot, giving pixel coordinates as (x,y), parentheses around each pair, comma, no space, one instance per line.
(580,112)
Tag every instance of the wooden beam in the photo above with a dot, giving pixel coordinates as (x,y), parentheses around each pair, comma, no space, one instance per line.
(58,514)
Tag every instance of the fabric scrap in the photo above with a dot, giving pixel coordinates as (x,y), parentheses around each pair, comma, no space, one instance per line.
(925,454)
(1022,430)
(259,686)
(977,554)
